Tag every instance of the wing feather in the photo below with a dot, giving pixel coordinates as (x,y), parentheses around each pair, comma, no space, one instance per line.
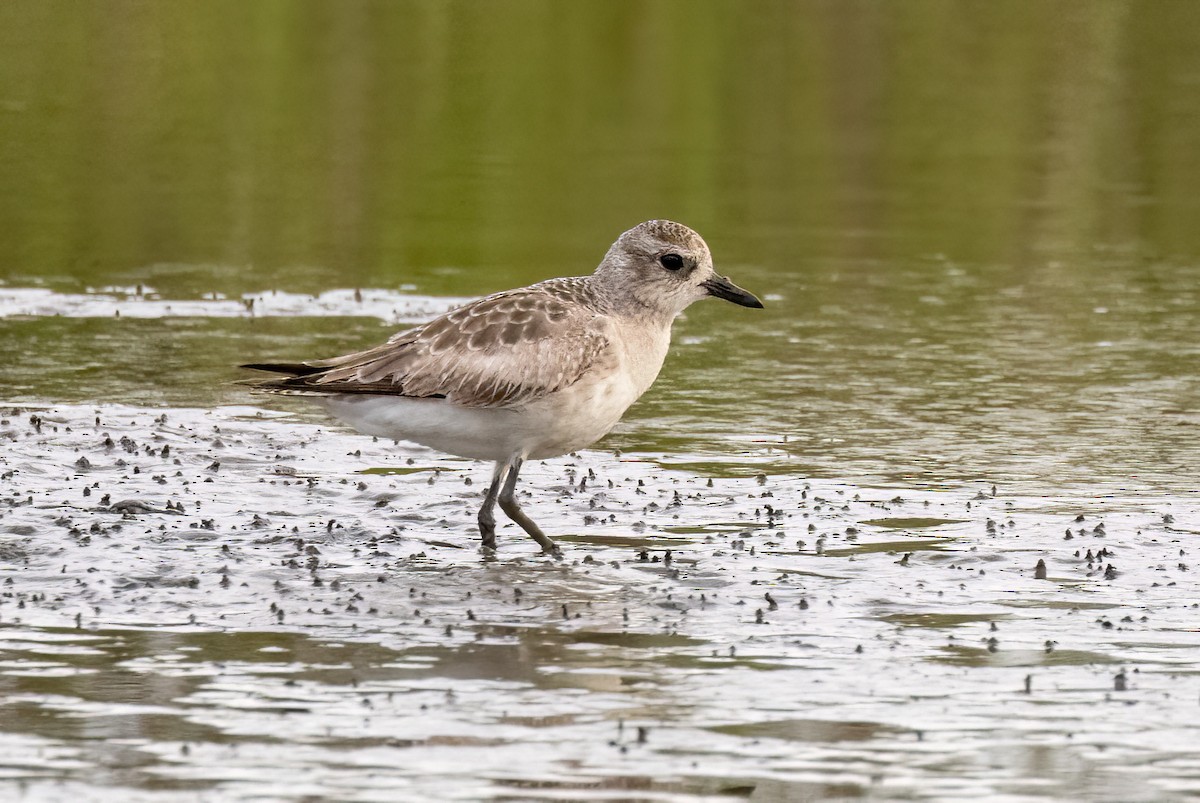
(501,351)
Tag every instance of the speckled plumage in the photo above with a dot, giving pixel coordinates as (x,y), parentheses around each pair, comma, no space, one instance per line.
(504,350)
(528,373)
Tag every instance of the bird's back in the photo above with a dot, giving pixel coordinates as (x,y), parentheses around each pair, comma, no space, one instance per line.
(504,350)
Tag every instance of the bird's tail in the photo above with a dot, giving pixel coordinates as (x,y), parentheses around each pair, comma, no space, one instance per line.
(289,368)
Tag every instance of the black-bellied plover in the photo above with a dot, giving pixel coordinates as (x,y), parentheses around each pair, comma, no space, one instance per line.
(524,374)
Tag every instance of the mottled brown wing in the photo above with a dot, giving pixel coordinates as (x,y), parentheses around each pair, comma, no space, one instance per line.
(501,351)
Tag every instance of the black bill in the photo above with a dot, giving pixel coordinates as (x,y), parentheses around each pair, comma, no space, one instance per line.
(721,287)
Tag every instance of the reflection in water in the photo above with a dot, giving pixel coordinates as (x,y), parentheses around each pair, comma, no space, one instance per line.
(384,143)
(811,730)
(971,656)
(279,628)
(134,689)
(977,228)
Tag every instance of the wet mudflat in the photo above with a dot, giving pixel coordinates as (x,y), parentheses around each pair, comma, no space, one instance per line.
(246,603)
(924,528)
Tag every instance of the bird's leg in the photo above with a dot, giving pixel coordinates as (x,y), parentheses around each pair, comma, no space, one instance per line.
(487,521)
(508,503)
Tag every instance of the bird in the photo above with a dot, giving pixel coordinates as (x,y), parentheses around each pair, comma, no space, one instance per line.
(524,374)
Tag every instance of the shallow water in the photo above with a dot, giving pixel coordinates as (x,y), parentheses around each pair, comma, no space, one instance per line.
(225,593)
(805,565)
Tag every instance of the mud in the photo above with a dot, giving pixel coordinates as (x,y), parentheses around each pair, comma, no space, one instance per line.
(248,604)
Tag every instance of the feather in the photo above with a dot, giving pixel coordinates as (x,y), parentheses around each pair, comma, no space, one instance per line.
(505,350)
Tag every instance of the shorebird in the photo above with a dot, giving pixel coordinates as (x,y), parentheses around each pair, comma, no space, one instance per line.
(525,374)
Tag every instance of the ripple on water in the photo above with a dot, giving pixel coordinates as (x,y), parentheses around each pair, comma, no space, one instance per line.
(266,624)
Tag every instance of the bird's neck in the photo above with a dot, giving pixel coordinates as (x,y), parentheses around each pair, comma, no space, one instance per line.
(612,297)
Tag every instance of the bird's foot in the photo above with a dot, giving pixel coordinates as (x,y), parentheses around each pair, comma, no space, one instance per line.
(487,536)
(550,549)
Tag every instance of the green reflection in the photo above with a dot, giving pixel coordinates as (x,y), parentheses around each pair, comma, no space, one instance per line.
(387,141)
(812,730)
(974,223)
(913,523)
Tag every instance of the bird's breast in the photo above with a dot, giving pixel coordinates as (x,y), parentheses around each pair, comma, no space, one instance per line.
(644,350)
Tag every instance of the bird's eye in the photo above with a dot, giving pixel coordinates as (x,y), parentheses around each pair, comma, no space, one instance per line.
(671,261)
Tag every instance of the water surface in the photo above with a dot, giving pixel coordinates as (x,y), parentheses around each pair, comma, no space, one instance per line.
(974,230)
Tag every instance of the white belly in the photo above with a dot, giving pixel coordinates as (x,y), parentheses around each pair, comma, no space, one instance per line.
(562,422)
